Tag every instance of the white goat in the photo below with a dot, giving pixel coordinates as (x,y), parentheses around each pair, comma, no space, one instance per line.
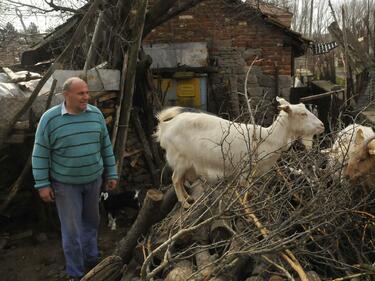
(200,144)
(345,145)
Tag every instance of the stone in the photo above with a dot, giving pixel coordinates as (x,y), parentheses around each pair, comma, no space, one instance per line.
(276,278)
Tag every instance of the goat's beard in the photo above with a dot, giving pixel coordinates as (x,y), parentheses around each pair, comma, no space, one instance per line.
(307,142)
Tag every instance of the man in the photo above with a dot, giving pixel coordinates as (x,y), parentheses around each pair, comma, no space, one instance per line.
(72,149)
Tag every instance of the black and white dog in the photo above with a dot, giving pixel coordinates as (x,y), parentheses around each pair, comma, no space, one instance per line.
(115,201)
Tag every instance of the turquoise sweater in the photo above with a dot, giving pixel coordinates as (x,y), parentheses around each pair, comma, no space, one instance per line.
(73,149)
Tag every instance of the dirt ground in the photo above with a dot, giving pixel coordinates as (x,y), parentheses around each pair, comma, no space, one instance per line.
(39,257)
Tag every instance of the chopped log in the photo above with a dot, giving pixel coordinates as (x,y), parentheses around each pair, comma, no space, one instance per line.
(108,96)
(107,111)
(169,201)
(204,260)
(107,269)
(236,264)
(144,221)
(180,272)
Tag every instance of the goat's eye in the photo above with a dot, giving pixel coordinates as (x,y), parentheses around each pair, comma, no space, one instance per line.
(304,114)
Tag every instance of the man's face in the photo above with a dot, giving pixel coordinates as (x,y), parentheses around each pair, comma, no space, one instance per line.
(77,97)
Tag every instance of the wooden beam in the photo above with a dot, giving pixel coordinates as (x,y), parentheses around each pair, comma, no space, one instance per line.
(128,80)
(319,96)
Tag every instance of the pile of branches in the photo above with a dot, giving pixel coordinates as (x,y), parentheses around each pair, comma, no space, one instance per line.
(295,222)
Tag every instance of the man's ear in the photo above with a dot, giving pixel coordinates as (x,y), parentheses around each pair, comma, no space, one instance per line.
(285,108)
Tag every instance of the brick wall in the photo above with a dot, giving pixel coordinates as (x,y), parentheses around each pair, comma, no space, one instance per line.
(234,36)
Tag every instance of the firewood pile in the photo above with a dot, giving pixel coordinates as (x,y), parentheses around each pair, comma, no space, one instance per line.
(296,222)
(136,173)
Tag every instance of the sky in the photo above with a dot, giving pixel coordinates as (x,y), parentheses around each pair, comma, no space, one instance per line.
(44,21)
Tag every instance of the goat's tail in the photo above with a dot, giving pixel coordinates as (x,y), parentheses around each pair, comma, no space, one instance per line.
(169,113)
(165,116)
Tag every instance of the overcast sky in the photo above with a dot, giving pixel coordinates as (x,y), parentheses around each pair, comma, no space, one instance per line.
(43,21)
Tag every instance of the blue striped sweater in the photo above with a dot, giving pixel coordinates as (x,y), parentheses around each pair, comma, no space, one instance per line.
(73,149)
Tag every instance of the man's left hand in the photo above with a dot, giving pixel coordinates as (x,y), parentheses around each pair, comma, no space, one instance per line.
(110,185)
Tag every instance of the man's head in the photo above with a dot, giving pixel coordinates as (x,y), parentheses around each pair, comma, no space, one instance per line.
(76,95)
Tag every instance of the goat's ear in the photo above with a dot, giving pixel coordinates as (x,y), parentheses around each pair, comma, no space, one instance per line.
(371,147)
(285,108)
(282,101)
(359,137)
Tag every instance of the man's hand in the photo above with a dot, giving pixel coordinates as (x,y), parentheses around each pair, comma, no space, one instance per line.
(47,194)
(110,185)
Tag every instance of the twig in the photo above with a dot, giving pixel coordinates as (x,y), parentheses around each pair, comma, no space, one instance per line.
(287,274)
(353,276)
(287,255)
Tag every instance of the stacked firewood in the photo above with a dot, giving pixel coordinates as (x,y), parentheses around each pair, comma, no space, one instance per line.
(289,224)
(135,171)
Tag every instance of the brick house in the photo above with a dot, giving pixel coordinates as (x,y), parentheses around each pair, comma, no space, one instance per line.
(216,41)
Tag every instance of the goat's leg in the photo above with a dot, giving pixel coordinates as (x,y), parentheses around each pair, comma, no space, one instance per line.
(181,193)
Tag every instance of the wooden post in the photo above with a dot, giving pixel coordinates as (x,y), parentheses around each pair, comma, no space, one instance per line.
(146,147)
(127,90)
(346,65)
(96,39)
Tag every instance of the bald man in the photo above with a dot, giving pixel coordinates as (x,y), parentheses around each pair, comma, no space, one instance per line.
(72,150)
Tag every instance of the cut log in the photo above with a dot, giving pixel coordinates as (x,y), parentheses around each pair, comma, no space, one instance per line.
(144,221)
(107,269)
(203,260)
(180,272)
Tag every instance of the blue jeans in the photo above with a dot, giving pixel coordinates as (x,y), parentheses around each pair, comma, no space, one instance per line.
(78,209)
